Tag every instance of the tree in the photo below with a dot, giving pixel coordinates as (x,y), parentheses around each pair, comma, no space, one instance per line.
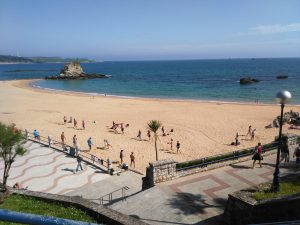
(153,126)
(11,141)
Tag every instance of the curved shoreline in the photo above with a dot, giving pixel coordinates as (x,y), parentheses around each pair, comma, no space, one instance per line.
(203,128)
(29,83)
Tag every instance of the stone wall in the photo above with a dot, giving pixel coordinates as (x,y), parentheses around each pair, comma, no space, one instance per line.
(164,170)
(242,209)
(102,214)
(159,171)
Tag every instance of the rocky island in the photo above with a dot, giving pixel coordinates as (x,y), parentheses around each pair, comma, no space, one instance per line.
(73,71)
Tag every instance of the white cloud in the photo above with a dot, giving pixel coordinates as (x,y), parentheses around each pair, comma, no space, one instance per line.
(272,29)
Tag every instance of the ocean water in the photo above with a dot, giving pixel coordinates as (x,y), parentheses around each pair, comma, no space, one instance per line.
(212,80)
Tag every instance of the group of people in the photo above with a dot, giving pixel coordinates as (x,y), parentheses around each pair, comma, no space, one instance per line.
(139,136)
(74,121)
(284,153)
(251,133)
(132,158)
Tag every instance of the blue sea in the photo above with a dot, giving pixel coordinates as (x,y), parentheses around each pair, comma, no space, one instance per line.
(212,80)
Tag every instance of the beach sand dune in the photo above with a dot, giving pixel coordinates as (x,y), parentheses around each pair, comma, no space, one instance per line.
(202,128)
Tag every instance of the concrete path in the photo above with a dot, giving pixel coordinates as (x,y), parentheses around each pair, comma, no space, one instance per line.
(47,170)
(199,198)
(130,179)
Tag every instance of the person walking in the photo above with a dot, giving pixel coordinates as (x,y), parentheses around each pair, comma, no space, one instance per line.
(63,140)
(75,123)
(132,160)
(121,156)
(49,141)
(253,133)
(257,155)
(90,143)
(79,160)
(297,154)
(139,136)
(249,131)
(83,125)
(178,147)
(74,141)
(163,131)
(285,152)
(65,120)
(149,135)
(171,144)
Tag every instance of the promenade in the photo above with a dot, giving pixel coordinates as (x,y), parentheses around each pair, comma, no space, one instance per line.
(47,170)
(200,198)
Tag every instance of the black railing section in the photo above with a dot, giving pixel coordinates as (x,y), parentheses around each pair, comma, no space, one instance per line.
(204,162)
(87,157)
(110,196)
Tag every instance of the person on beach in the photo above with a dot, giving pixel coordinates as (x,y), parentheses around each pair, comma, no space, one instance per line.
(90,143)
(253,133)
(83,125)
(139,136)
(132,160)
(71,119)
(79,160)
(249,131)
(257,155)
(122,128)
(163,131)
(106,144)
(49,141)
(297,154)
(121,156)
(75,123)
(63,140)
(36,135)
(171,144)
(178,147)
(148,135)
(65,120)
(237,142)
(75,141)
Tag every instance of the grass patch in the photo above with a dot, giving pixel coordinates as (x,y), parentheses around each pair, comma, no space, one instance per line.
(286,188)
(25,204)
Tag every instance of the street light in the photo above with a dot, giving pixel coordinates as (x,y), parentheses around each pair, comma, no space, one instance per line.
(282,98)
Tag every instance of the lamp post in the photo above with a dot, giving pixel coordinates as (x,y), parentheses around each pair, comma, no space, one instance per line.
(282,98)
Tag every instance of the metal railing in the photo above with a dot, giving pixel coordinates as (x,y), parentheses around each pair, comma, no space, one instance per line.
(33,219)
(235,155)
(109,197)
(57,145)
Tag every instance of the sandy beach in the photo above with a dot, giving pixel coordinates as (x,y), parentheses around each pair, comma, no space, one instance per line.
(202,128)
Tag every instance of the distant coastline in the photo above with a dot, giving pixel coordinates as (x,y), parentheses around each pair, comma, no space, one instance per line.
(9,59)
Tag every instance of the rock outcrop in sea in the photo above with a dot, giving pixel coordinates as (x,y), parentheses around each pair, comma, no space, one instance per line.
(248,80)
(73,71)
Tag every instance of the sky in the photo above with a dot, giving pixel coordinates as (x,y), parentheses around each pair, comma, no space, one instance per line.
(150,30)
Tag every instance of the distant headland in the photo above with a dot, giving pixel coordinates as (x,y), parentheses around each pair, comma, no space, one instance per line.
(73,71)
(9,59)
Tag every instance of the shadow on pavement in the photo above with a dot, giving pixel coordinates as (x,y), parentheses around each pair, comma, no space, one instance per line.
(189,203)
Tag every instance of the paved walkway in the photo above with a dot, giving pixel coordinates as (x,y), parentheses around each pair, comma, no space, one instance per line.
(47,170)
(199,198)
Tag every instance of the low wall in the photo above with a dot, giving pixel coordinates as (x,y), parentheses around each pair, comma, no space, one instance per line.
(242,209)
(101,213)
(164,170)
